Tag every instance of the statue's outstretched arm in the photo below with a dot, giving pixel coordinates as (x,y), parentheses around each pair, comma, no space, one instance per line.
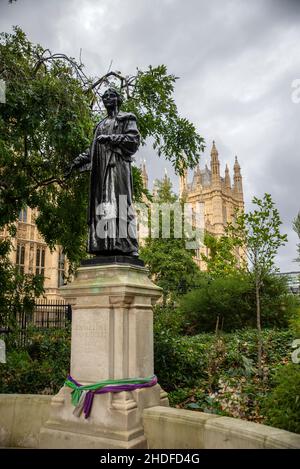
(81,162)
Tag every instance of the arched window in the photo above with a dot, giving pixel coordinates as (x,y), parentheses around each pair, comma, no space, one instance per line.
(61,268)
(40,260)
(20,258)
(23,215)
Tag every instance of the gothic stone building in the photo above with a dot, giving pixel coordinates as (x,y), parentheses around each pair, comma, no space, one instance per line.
(220,197)
(31,254)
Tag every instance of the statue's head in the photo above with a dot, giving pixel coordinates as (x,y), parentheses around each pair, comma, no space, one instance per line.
(112,98)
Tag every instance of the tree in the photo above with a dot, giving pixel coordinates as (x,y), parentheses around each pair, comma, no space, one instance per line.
(221,260)
(227,303)
(296,226)
(257,235)
(170,263)
(48,119)
(17,291)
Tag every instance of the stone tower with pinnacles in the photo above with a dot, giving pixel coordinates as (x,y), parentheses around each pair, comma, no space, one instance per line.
(220,197)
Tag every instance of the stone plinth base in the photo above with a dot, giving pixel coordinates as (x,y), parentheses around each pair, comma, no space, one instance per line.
(112,338)
(115,421)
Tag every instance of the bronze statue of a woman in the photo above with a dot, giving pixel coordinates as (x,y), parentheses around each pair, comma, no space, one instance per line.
(111,219)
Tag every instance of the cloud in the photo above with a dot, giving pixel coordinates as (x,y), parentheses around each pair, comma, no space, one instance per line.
(236,60)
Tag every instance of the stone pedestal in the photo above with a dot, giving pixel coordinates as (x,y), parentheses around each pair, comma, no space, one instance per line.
(112,338)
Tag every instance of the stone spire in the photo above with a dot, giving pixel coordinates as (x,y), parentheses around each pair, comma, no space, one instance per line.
(227,178)
(215,164)
(183,180)
(155,188)
(197,177)
(144,175)
(237,167)
(237,179)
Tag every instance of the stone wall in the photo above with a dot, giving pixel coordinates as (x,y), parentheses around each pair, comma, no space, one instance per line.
(169,428)
(21,417)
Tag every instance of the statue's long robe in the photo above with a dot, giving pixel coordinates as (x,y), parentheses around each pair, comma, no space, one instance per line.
(112,228)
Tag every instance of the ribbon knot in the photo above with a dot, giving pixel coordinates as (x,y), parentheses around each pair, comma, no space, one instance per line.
(82,396)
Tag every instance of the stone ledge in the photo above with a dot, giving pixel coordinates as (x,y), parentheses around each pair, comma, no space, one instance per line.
(21,417)
(169,428)
(116,259)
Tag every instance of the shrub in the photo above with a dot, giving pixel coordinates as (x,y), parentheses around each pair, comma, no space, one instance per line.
(167,318)
(282,405)
(226,298)
(39,369)
(232,385)
(278,305)
(189,361)
(295,324)
(217,373)
(230,303)
(180,361)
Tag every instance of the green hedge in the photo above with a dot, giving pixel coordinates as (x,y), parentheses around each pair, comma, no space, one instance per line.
(186,361)
(41,368)
(218,374)
(282,406)
(231,301)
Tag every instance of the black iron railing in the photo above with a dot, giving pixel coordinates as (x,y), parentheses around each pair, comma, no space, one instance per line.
(46,314)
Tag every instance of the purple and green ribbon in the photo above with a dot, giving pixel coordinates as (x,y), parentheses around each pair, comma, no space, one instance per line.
(102,387)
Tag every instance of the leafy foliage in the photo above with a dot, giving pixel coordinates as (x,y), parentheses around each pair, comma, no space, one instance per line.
(258,234)
(208,372)
(48,119)
(44,124)
(139,190)
(182,360)
(170,263)
(256,237)
(153,103)
(217,374)
(282,405)
(41,368)
(17,291)
(222,259)
(229,303)
(296,226)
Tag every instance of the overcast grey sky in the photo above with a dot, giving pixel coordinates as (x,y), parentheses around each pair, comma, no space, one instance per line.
(236,60)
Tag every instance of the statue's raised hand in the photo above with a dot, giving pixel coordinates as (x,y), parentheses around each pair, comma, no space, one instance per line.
(103,139)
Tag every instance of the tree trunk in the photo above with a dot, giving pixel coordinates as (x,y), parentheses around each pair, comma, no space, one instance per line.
(217,325)
(258,323)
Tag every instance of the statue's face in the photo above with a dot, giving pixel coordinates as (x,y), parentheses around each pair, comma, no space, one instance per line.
(110,99)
